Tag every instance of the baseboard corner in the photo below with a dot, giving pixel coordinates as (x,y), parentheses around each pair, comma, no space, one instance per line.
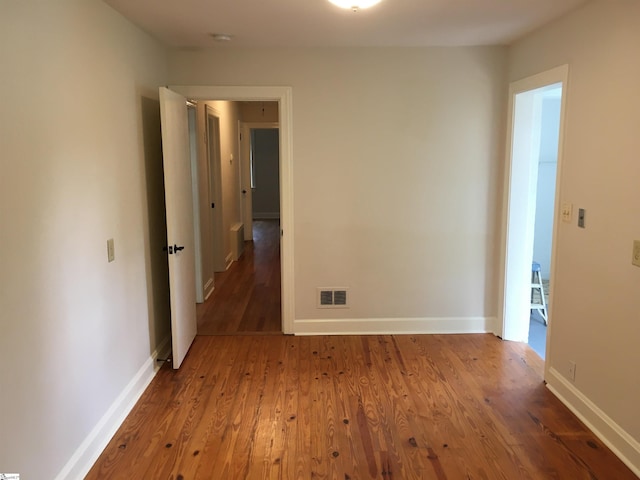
(92,446)
(618,440)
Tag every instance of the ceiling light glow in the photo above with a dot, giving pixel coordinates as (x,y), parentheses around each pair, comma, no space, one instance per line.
(221,37)
(354,5)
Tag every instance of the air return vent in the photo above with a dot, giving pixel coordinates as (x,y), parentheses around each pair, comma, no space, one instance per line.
(332,297)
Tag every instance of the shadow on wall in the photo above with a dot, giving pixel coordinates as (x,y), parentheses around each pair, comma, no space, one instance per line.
(157,267)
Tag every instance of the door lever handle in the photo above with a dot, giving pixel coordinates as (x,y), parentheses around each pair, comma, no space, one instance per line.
(177,248)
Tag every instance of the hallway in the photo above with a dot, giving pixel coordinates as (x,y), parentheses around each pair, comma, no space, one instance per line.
(246,299)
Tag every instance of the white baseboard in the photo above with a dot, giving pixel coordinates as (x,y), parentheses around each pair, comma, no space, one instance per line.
(266,215)
(208,288)
(90,449)
(228,260)
(394,326)
(608,431)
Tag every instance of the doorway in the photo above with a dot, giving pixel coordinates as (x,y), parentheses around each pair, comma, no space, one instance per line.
(247,295)
(259,172)
(281,96)
(532,179)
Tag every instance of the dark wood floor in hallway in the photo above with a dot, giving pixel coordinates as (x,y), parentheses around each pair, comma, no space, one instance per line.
(354,407)
(246,298)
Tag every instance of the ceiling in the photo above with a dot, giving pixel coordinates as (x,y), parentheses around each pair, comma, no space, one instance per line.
(318,23)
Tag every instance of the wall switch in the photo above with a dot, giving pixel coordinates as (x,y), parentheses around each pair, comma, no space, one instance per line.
(636,253)
(581,213)
(572,371)
(111,252)
(567,210)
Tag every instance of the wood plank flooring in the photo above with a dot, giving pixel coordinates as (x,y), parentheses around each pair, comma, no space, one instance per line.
(246,298)
(354,407)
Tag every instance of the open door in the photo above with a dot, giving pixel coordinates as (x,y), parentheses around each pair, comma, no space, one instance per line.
(180,236)
(521,179)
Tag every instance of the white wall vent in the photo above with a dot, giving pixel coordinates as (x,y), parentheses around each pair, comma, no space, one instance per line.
(332,297)
(237,240)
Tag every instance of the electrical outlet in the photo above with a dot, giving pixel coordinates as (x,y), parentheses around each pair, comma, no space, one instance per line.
(111,251)
(567,210)
(636,253)
(572,371)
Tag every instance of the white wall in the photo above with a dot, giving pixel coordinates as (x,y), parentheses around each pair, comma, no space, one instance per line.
(396,160)
(80,163)
(546,188)
(596,303)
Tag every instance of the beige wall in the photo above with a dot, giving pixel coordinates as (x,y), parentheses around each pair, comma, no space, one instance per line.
(228,113)
(229,167)
(595,319)
(395,159)
(80,163)
(259,112)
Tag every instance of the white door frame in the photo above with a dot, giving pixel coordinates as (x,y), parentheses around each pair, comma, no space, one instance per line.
(283,95)
(246,148)
(515,272)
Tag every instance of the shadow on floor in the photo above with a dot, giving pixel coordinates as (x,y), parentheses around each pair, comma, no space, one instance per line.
(537,334)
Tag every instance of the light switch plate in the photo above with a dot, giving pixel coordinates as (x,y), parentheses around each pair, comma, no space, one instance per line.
(636,253)
(567,210)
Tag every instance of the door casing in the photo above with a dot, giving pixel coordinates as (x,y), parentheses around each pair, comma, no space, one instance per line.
(282,95)
(517,238)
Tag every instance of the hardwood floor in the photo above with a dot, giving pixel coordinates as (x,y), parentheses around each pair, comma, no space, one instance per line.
(350,407)
(246,298)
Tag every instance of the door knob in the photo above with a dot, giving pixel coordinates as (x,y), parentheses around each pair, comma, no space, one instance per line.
(244,191)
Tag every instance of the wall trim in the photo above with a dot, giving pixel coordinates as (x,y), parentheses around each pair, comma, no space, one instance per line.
(394,326)
(90,449)
(208,288)
(625,447)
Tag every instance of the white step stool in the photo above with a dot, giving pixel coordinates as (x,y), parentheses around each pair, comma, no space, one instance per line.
(538,301)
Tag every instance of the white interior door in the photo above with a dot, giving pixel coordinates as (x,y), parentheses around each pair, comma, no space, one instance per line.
(180,235)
